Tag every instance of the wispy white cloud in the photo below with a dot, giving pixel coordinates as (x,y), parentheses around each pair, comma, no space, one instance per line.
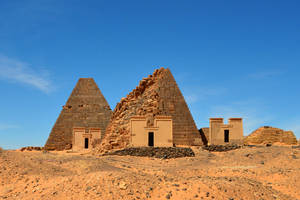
(4,126)
(249,110)
(21,72)
(196,94)
(266,74)
(191,98)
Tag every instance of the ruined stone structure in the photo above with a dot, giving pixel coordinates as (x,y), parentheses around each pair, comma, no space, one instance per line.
(86,107)
(271,135)
(84,138)
(156,134)
(156,95)
(221,134)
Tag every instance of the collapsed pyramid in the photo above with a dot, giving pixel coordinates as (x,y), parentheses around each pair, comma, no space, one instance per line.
(271,135)
(158,94)
(86,107)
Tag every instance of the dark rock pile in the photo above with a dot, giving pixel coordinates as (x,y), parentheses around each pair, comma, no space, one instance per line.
(157,152)
(31,148)
(253,146)
(221,148)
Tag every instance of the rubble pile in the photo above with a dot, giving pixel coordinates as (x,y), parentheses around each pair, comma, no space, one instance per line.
(30,148)
(221,148)
(138,102)
(157,152)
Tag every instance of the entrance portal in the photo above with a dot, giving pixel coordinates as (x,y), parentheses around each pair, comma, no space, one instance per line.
(226,135)
(150,139)
(86,143)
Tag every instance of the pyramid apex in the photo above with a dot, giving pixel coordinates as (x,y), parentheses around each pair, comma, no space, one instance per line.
(89,78)
(160,71)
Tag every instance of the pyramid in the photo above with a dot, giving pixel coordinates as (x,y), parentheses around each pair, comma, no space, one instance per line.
(156,95)
(86,107)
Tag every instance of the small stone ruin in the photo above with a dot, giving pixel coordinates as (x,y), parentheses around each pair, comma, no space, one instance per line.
(270,135)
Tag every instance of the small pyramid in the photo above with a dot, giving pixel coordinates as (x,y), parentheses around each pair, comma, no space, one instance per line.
(156,95)
(86,107)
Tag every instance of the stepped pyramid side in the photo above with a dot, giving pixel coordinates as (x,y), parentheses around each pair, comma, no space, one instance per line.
(86,107)
(158,94)
(172,103)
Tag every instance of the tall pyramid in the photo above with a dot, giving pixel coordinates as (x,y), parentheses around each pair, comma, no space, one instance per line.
(86,107)
(158,94)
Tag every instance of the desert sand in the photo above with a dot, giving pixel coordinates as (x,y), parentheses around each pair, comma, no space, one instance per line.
(247,173)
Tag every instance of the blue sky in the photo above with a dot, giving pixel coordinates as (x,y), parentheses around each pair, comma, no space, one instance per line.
(229,58)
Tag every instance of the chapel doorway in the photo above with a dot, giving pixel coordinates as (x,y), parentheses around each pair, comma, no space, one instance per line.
(86,143)
(150,139)
(226,136)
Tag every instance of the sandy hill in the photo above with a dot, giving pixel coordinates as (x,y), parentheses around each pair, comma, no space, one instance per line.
(247,173)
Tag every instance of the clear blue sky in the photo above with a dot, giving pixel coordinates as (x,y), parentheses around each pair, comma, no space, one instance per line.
(230,58)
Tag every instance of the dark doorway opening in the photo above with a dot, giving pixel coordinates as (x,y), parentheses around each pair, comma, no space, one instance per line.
(226,135)
(86,143)
(150,139)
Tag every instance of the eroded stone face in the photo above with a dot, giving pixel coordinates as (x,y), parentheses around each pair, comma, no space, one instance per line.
(271,135)
(158,94)
(86,107)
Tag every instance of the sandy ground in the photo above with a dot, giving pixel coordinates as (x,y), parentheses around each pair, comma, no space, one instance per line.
(248,173)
